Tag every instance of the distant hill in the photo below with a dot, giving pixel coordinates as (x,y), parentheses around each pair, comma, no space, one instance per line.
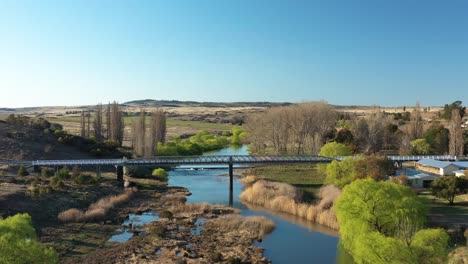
(176,103)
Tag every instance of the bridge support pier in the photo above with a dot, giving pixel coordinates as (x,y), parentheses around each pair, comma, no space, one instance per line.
(119,172)
(231,181)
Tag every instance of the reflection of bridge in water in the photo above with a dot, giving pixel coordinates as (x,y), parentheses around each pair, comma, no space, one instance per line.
(206,161)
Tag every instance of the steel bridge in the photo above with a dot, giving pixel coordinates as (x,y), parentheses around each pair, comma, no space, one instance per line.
(228,160)
(213,160)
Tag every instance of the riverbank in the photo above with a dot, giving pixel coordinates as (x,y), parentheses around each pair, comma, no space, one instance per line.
(184,233)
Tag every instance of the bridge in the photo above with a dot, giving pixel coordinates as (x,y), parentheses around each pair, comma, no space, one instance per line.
(228,160)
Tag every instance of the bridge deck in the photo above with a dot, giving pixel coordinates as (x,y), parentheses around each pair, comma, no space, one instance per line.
(207,160)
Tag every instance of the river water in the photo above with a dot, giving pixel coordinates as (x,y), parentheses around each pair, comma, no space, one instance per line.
(294,240)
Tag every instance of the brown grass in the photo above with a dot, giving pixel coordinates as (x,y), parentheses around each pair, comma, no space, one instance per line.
(283,197)
(189,209)
(257,226)
(249,179)
(96,211)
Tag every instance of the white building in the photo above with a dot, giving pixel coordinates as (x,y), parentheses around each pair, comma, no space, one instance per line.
(421,180)
(459,173)
(442,168)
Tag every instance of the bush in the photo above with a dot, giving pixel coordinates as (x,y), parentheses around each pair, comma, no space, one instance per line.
(160,174)
(59,133)
(63,173)
(47,172)
(165,214)
(84,179)
(56,182)
(22,171)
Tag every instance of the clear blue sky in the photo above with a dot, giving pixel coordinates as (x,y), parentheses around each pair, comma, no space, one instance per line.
(365,52)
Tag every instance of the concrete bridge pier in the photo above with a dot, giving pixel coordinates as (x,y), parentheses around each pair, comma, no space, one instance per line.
(120,173)
(231,182)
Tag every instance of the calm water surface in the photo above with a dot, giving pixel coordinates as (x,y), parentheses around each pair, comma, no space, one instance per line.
(294,240)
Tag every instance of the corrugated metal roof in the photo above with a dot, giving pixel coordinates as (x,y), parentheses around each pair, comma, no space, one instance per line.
(423,176)
(461,164)
(434,163)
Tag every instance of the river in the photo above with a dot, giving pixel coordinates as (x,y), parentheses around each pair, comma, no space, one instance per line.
(294,240)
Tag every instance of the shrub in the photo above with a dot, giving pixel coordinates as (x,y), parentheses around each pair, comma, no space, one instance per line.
(165,214)
(84,179)
(47,172)
(215,257)
(160,174)
(22,171)
(75,171)
(156,228)
(59,133)
(63,173)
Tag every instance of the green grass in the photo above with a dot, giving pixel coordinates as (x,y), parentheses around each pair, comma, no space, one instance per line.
(305,177)
(445,214)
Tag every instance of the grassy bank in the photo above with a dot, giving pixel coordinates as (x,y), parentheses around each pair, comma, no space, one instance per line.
(441,213)
(302,176)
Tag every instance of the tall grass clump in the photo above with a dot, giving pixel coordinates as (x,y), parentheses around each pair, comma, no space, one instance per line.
(97,210)
(283,197)
(257,226)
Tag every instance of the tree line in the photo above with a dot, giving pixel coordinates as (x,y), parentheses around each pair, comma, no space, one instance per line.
(304,128)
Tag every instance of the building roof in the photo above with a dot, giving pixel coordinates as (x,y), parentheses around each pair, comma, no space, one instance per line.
(423,176)
(434,163)
(461,164)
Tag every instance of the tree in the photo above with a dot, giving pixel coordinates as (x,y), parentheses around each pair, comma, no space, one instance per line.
(465,142)
(374,166)
(160,127)
(18,242)
(420,147)
(138,133)
(334,149)
(341,173)
(301,128)
(438,138)
(116,123)
(369,133)
(380,222)
(97,125)
(108,121)
(22,171)
(416,128)
(83,125)
(160,174)
(448,187)
(456,135)
(448,110)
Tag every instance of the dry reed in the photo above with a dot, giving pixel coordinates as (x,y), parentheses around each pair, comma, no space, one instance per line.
(97,210)
(257,226)
(286,198)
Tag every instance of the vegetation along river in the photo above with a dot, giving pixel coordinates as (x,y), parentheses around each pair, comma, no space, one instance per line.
(294,240)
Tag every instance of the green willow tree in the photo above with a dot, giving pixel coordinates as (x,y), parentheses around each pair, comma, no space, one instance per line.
(381,222)
(18,242)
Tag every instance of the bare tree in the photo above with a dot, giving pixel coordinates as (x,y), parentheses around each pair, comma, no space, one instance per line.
(138,134)
(108,121)
(159,121)
(116,123)
(298,128)
(98,123)
(416,128)
(369,132)
(456,143)
(88,124)
(83,125)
